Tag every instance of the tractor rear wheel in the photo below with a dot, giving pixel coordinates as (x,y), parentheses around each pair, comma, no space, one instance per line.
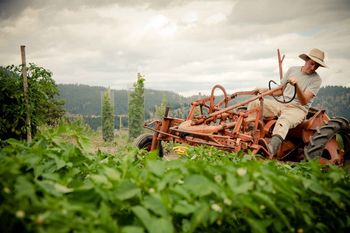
(144,141)
(331,143)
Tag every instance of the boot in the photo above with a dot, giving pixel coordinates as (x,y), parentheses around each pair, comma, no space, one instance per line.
(275,144)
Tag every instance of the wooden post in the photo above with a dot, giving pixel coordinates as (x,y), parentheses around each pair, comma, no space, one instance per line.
(25,94)
(280,61)
(120,120)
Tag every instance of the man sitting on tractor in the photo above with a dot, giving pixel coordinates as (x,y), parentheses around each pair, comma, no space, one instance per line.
(307,83)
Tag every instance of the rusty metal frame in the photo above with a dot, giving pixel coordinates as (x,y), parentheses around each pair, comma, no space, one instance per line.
(224,128)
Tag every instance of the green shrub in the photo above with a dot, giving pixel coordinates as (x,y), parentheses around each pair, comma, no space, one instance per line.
(44,108)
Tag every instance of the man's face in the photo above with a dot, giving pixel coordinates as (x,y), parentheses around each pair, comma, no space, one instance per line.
(310,66)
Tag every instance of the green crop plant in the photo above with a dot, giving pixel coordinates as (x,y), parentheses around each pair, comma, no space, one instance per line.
(55,185)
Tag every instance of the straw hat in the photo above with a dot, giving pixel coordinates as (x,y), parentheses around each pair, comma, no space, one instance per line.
(316,55)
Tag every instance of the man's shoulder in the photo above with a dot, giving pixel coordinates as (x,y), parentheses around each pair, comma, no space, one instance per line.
(294,69)
(315,79)
(316,76)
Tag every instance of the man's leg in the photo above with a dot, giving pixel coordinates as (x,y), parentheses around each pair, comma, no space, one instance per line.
(271,108)
(290,117)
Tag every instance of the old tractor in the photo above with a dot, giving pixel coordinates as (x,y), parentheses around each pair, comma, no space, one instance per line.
(223,124)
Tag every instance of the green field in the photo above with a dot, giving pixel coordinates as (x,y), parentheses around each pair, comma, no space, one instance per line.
(68,180)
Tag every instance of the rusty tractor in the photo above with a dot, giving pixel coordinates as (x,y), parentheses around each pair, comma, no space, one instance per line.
(223,124)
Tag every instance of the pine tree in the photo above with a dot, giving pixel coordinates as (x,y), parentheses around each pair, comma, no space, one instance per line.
(136,108)
(107,117)
(160,110)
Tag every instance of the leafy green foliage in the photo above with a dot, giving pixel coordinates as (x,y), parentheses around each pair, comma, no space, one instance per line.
(55,186)
(44,108)
(136,108)
(107,117)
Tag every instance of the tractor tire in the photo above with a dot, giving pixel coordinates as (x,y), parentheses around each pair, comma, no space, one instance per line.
(331,143)
(144,141)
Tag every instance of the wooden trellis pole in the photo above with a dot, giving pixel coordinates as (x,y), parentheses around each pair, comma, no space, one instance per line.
(280,61)
(120,120)
(25,94)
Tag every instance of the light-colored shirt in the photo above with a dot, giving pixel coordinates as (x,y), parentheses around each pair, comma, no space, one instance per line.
(307,82)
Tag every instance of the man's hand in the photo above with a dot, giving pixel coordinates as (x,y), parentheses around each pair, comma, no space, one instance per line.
(303,96)
(293,81)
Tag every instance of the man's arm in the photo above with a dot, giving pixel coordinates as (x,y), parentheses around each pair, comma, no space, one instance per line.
(262,90)
(303,96)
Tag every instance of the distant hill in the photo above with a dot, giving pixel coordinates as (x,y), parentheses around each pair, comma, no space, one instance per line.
(86,101)
(335,100)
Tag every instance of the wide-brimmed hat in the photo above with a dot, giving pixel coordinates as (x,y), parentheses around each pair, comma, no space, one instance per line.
(316,55)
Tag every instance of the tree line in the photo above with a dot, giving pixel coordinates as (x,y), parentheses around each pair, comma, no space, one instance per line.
(335,100)
(46,109)
(86,101)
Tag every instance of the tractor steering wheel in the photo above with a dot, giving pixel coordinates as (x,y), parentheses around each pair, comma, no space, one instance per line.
(213,107)
(285,99)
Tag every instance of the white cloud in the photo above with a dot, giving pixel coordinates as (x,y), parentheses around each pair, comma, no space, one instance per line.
(161,25)
(182,46)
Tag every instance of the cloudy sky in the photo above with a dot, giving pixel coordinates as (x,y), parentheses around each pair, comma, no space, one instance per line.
(185,46)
